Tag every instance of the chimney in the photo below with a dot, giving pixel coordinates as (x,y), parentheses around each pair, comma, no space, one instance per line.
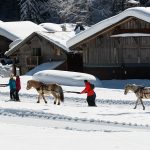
(79,27)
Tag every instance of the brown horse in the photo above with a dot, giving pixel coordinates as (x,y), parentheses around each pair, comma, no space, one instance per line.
(140,92)
(47,89)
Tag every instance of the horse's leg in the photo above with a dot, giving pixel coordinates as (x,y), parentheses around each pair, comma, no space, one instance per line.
(142,103)
(136,103)
(58,100)
(39,98)
(44,98)
(55,101)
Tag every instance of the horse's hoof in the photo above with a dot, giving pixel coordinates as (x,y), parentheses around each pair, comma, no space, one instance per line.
(46,102)
(134,108)
(54,102)
(58,104)
(38,102)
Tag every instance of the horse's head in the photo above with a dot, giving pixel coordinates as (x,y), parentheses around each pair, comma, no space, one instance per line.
(29,85)
(127,88)
(130,87)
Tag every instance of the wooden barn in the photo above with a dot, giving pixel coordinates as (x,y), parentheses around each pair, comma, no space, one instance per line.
(14,32)
(118,47)
(43,47)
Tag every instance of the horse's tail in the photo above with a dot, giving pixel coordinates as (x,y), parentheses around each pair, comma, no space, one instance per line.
(61,94)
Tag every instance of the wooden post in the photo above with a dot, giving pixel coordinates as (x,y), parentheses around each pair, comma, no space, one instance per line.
(14,67)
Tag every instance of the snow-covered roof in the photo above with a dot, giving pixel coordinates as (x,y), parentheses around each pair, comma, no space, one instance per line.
(133,2)
(53,27)
(18,29)
(142,13)
(130,35)
(58,38)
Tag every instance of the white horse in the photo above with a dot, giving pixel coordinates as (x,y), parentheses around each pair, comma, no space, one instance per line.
(140,92)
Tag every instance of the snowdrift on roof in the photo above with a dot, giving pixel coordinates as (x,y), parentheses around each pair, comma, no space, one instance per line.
(52,27)
(19,29)
(65,78)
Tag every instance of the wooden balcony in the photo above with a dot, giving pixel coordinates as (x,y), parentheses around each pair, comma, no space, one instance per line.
(32,61)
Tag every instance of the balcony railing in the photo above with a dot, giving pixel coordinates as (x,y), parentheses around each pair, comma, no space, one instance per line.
(32,61)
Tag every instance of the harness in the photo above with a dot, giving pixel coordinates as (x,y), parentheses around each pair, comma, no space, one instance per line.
(42,88)
(140,90)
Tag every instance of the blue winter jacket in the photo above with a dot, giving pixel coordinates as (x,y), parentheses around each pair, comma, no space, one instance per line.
(12,84)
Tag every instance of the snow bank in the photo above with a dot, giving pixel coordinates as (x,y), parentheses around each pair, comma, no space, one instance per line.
(45,66)
(65,78)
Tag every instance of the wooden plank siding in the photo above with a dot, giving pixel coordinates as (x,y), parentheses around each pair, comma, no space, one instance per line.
(104,50)
(48,52)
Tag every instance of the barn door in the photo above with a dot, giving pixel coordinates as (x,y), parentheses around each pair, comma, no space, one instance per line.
(75,62)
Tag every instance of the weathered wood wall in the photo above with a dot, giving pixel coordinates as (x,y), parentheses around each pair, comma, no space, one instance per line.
(106,50)
(49,52)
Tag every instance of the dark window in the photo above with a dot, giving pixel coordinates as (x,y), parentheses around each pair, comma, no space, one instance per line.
(36,51)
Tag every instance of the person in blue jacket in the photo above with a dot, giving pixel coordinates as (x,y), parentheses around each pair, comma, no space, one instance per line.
(12,86)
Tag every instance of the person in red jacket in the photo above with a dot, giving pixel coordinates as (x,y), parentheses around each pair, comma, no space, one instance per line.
(18,87)
(90,93)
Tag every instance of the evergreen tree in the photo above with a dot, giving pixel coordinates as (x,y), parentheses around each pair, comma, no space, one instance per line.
(29,10)
(99,10)
(118,6)
(59,11)
(49,10)
(74,11)
(145,3)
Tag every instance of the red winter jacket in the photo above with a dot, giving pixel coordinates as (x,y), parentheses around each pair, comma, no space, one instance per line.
(88,89)
(18,84)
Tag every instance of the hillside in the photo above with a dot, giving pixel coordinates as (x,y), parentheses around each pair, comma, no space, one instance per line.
(60,11)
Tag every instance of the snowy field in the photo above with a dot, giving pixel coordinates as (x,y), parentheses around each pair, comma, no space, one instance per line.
(114,124)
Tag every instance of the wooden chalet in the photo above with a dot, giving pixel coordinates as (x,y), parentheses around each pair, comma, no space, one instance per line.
(42,47)
(118,47)
(15,31)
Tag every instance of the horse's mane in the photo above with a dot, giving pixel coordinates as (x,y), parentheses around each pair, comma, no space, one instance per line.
(139,86)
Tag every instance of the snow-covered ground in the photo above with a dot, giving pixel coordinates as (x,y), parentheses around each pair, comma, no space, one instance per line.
(113,124)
